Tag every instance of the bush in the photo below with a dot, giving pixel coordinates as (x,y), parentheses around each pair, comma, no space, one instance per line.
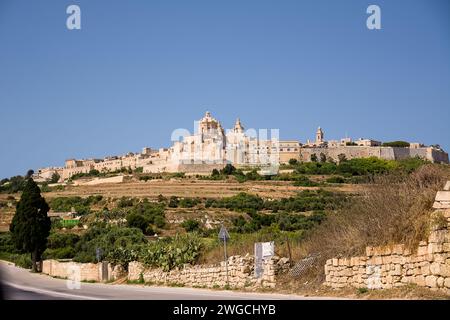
(62,240)
(173,202)
(239,202)
(303,181)
(399,144)
(188,202)
(229,169)
(107,238)
(60,253)
(81,205)
(336,179)
(139,221)
(190,225)
(125,202)
(394,209)
(172,252)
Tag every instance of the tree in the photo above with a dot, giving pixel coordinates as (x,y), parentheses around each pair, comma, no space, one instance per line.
(190,225)
(215,173)
(314,157)
(55,177)
(398,144)
(342,157)
(30,226)
(136,220)
(94,172)
(293,162)
(229,169)
(323,157)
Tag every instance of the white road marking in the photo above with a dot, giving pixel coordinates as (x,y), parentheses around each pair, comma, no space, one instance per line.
(50,292)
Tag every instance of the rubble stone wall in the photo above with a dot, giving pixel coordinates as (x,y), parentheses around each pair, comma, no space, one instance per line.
(240,273)
(395,266)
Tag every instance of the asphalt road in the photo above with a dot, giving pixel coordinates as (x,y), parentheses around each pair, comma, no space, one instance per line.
(21,284)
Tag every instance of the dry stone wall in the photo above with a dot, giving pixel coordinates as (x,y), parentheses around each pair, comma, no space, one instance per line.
(395,266)
(240,273)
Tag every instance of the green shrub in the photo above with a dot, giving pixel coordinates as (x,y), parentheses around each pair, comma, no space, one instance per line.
(336,179)
(303,181)
(107,238)
(190,225)
(399,144)
(60,253)
(173,202)
(125,202)
(172,252)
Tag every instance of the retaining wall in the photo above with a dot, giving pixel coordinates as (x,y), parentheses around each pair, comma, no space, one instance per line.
(240,273)
(395,266)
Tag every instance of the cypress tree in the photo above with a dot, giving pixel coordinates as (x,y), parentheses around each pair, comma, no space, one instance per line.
(30,226)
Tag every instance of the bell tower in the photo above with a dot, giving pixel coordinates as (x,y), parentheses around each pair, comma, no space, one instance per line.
(319,136)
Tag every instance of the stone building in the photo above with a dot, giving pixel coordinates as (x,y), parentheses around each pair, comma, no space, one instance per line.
(212,147)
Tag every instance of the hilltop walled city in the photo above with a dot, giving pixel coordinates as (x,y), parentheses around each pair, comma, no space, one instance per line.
(211,147)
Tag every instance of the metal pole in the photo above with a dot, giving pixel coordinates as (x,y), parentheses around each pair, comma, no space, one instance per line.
(289,251)
(226,258)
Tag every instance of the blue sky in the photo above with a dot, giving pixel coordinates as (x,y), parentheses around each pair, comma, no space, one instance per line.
(139,69)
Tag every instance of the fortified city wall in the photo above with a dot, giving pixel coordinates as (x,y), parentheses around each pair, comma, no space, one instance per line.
(387,153)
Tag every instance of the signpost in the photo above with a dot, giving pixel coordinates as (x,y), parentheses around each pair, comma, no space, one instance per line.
(263,251)
(224,236)
(98,254)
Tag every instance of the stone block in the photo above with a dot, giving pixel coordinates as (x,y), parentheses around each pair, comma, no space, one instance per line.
(447,186)
(440,282)
(422,250)
(387,259)
(419,280)
(397,270)
(447,282)
(445,270)
(435,268)
(435,248)
(437,236)
(431,281)
(443,196)
(398,249)
(441,205)
(446,247)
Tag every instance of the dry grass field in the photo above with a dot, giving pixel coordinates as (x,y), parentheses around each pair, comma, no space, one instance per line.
(189,187)
(192,188)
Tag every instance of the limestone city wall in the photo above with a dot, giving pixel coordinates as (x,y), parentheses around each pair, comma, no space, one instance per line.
(387,153)
(395,266)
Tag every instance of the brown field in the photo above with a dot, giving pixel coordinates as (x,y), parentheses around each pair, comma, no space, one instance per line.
(175,187)
(191,188)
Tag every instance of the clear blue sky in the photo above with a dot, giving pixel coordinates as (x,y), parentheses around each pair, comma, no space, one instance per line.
(139,69)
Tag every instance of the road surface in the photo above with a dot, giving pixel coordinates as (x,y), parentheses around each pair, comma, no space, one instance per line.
(18,283)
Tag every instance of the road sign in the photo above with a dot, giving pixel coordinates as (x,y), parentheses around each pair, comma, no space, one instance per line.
(98,254)
(223,234)
(263,251)
(268,249)
(259,270)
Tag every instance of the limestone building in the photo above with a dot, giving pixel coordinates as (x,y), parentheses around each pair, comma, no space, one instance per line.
(212,147)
